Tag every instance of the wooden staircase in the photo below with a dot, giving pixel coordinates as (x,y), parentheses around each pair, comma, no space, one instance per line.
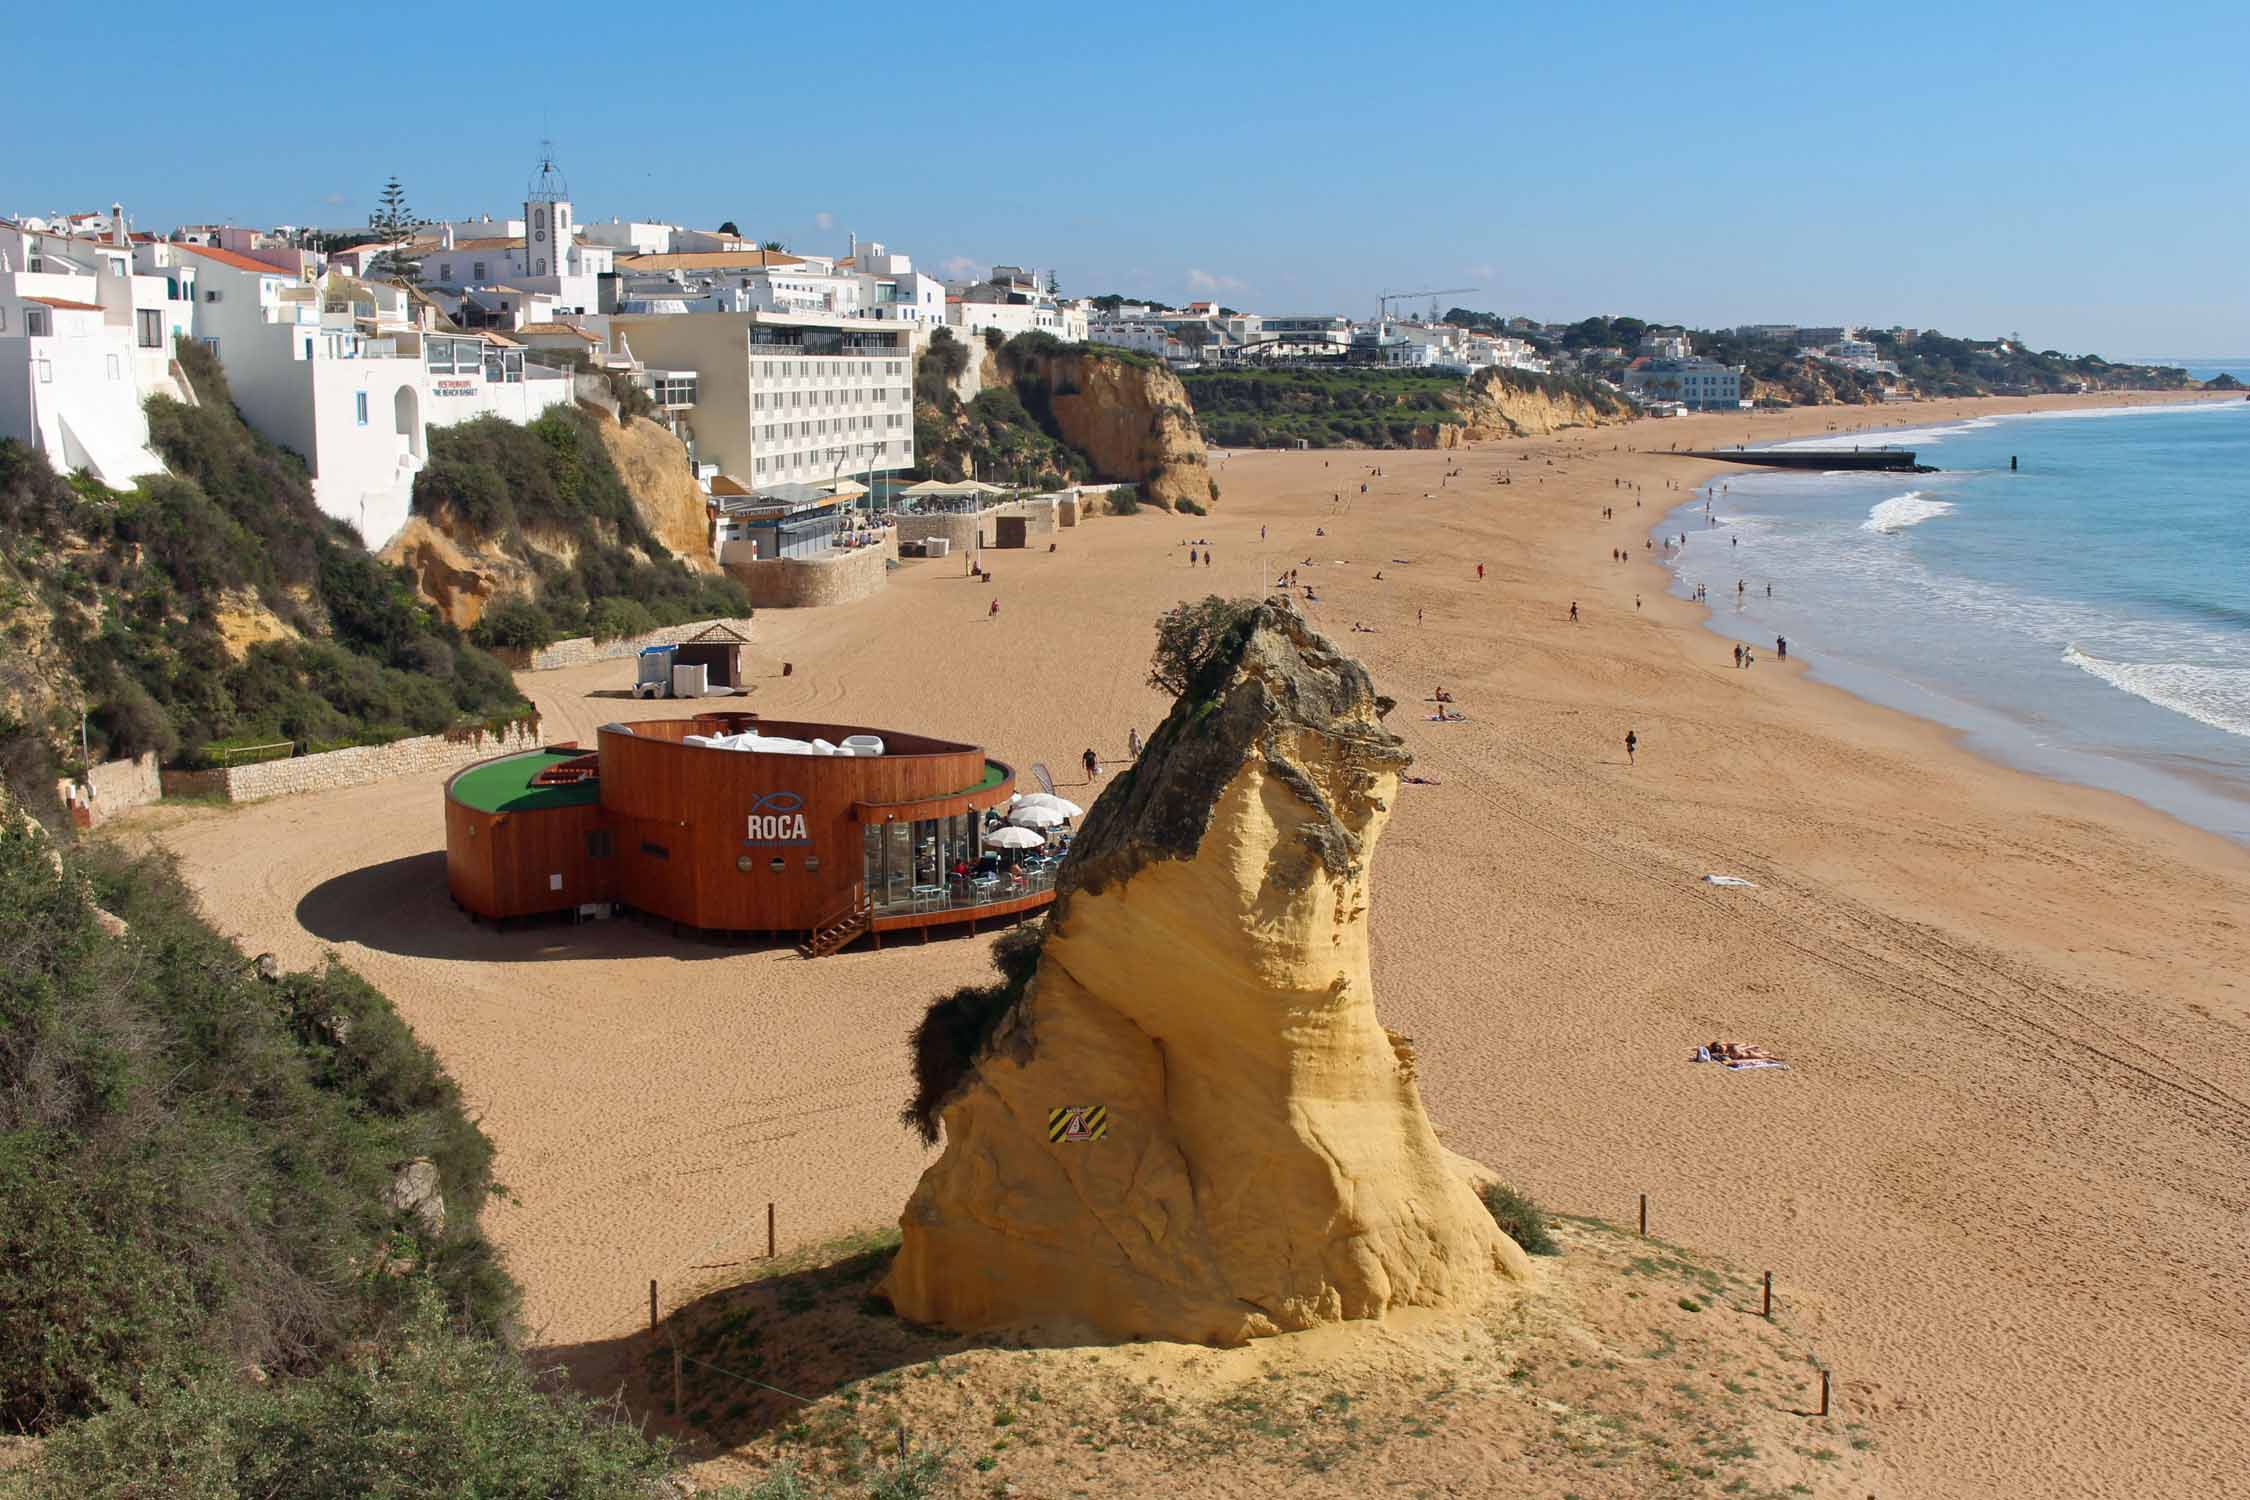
(839,931)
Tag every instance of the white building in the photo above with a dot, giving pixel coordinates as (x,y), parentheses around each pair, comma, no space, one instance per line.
(542,254)
(85,340)
(348,375)
(1700,384)
(780,398)
(1012,301)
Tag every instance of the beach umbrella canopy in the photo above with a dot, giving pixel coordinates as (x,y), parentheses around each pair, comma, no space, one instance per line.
(1063,805)
(1013,838)
(1038,815)
(845,488)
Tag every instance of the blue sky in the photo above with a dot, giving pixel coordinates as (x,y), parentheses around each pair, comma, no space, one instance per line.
(2074,172)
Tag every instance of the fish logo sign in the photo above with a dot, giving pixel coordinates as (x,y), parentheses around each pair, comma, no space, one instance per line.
(778,818)
(1077,1122)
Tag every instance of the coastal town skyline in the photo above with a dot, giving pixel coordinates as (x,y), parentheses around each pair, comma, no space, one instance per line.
(1641,185)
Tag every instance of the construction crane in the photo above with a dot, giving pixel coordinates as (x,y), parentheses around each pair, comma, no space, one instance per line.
(1383,303)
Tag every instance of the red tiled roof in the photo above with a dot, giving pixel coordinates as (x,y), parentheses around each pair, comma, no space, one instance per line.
(487,244)
(230,258)
(67,305)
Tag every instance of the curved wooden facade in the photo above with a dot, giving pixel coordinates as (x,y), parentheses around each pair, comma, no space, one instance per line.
(722,840)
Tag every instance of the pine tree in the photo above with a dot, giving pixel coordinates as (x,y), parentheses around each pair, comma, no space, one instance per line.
(395,225)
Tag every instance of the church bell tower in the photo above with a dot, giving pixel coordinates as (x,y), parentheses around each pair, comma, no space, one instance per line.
(547,223)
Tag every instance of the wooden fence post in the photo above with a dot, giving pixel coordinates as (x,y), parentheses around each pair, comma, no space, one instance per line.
(1823,1394)
(769,1231)
(652,1304)
(679,1400)
(1767,1312)
(1644,1215)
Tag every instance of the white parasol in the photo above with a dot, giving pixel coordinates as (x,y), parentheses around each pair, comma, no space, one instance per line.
(1037,815)
(1063,805)
(1013,838)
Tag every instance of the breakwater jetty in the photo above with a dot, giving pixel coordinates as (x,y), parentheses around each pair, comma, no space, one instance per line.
(1873,460)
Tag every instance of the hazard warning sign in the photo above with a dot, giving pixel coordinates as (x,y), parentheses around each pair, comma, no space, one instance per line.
(1078,1122)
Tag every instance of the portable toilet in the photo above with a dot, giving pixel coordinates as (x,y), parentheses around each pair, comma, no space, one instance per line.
(655,680)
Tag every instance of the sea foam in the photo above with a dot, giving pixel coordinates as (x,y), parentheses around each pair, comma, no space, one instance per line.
(1902,511)
(2217,696)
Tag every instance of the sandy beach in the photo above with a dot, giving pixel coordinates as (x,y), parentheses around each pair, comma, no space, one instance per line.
(2004,1186)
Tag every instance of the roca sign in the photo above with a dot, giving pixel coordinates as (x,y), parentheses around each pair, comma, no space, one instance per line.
(778,818)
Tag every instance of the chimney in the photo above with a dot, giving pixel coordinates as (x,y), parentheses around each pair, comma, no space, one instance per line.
(117,234)
(445,236)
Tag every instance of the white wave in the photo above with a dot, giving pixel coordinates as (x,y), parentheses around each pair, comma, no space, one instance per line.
(1902,511)
(2217,696)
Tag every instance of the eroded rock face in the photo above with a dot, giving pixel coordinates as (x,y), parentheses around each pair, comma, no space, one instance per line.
(1261,1162)
(654,466)
(1133,421)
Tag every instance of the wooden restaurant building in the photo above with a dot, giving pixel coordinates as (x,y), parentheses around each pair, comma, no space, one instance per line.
(827,847)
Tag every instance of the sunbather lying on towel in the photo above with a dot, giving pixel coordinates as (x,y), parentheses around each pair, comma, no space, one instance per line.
(1733,1052)
(1413,780)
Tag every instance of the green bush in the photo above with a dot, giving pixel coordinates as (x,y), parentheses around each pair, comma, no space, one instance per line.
(613,619)
(193,1162)
(1196,639)
(1520,1219)
(953,1031)
(514,624)
(1189,505)
(434,1414)
(1124,500)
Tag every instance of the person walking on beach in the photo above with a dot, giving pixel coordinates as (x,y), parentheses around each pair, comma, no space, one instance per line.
(1632,743)
(1738,657)
(1093,765)
(1191,557)
(995,614)
(1781,647)
(1207,557)
(1574,611)
(1480,572)
(1133,742)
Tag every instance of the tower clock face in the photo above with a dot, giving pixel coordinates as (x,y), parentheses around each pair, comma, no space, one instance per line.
(539,234)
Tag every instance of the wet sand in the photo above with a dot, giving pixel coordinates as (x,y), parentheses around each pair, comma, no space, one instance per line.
(2004,1185)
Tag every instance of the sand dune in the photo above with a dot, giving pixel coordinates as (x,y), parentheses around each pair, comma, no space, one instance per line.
(2005,1184)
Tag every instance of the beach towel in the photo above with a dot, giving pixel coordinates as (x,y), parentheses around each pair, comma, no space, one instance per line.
(1756,1062)
(1730,880)
(1447,718)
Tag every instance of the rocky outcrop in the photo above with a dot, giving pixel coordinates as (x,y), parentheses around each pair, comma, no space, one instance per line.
(463,572)
(1192,1125)
(654,466)
(1133,421)
(462,576)
(415,1191)
(1508,404)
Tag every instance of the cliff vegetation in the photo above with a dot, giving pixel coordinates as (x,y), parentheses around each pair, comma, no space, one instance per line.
(541,519)
(1045,414)
(1345,407)
(209,607)
(239,1241)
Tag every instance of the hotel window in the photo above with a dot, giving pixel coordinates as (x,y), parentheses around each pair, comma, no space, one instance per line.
(360,402)
(150,323)
(35,322)
(478,268)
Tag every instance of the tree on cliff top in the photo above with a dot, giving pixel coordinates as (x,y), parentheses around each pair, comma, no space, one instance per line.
(395,225)
(1195,638)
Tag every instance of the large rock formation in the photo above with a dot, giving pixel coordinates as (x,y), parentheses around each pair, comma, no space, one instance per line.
(1260,1162)
(654,465)
(463,571)
(1134,422)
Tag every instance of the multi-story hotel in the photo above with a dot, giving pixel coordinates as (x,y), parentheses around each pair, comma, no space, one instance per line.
(783,398)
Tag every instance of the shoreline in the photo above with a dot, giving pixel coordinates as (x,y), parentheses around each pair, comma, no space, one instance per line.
(2221,797)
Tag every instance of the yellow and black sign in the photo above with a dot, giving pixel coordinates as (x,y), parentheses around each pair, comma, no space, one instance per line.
(1079,1122)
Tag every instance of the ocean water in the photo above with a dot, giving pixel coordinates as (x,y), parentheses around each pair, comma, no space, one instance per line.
(2086,616)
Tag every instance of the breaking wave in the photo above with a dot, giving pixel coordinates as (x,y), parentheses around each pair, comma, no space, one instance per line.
(1902,511)
(2217,696)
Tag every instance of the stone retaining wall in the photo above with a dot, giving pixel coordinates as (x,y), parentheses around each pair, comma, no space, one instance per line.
(579,650)
(110,788)
(809,582)
(960,530)
(357,766)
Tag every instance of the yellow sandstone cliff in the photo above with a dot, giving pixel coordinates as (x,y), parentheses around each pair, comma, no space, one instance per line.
(1498,406)
(1260,1161)
(1135,423)
(463,572)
